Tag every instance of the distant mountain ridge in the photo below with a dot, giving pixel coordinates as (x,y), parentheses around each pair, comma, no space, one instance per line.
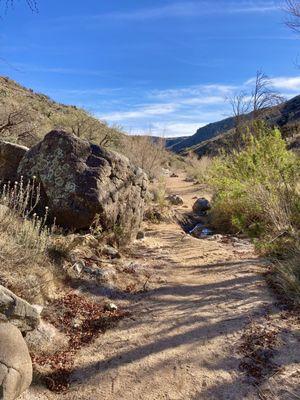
(210,138)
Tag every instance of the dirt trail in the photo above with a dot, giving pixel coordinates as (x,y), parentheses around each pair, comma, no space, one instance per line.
(183,337)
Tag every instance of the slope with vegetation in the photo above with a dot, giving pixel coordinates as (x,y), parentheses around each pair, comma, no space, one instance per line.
(27,116)
(261,103)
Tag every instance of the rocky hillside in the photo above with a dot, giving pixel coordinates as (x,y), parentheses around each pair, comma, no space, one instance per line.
(209,139)
(26,116)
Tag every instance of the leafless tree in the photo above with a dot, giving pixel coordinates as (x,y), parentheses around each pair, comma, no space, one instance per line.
(240,105)
(263,95)
(293,9)
(16,125)
(84,125)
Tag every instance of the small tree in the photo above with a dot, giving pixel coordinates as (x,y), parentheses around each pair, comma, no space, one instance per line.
(16,124)
(84,125)
(240,106)
(263,95)
(260,97)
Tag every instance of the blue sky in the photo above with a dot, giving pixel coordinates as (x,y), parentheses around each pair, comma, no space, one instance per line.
(163,66)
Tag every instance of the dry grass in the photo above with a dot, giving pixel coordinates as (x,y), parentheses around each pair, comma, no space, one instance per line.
(146,153)
(287,276)
(197,168)
(25,267)
(158,208)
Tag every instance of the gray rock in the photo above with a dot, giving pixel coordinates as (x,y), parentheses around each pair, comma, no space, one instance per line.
(111,252)
(46,338)
(17,311)
(15,363)
(201,205)
(175,199)
(10,157)
(81,181)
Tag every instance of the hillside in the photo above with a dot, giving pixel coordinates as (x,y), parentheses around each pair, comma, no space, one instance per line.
(26,116)
(209,139)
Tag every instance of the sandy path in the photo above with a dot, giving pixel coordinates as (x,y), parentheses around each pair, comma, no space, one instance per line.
(182,339)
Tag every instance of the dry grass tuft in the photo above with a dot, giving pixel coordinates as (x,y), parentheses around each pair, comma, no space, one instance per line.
(197,168)
(24,264)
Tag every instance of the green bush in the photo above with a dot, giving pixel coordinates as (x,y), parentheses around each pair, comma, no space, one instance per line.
(256,189)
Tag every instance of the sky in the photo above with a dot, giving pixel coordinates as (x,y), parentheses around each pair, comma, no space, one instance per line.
(163,67)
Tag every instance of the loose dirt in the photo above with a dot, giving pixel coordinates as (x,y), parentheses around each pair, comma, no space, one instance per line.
(187,337)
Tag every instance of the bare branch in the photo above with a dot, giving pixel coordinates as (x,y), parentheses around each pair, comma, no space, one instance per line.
(293,9)
(263,95)
(16,124)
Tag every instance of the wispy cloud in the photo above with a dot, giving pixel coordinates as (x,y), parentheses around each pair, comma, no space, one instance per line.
(57,70)
(141,112)
(182,9)
(194,91)
(181,111)
(287,83)
(197,8)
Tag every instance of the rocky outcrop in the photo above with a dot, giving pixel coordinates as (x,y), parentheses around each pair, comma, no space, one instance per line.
(17,311)
(10,157)
(15,363)
(81,181)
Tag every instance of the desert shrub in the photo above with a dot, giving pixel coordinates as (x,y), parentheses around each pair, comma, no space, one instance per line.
(286,276)
(159,192)
(24,240)
(257,192)
(256,189)
(146,153)
(197,168)
(158,208)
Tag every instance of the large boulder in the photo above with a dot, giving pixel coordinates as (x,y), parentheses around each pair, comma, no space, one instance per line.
(81,181)
(17,311)
(15,363)
(10,157)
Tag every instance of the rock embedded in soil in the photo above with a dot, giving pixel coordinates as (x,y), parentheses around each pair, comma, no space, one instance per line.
(17,311)
(15,363)
(83,183)
(140,235)
(201,205)
(175,199)
(10,156)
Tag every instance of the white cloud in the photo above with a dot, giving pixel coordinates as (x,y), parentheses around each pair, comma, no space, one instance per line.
(286,83)
(140,112)
(177,129)
(174,111)
(192,91)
